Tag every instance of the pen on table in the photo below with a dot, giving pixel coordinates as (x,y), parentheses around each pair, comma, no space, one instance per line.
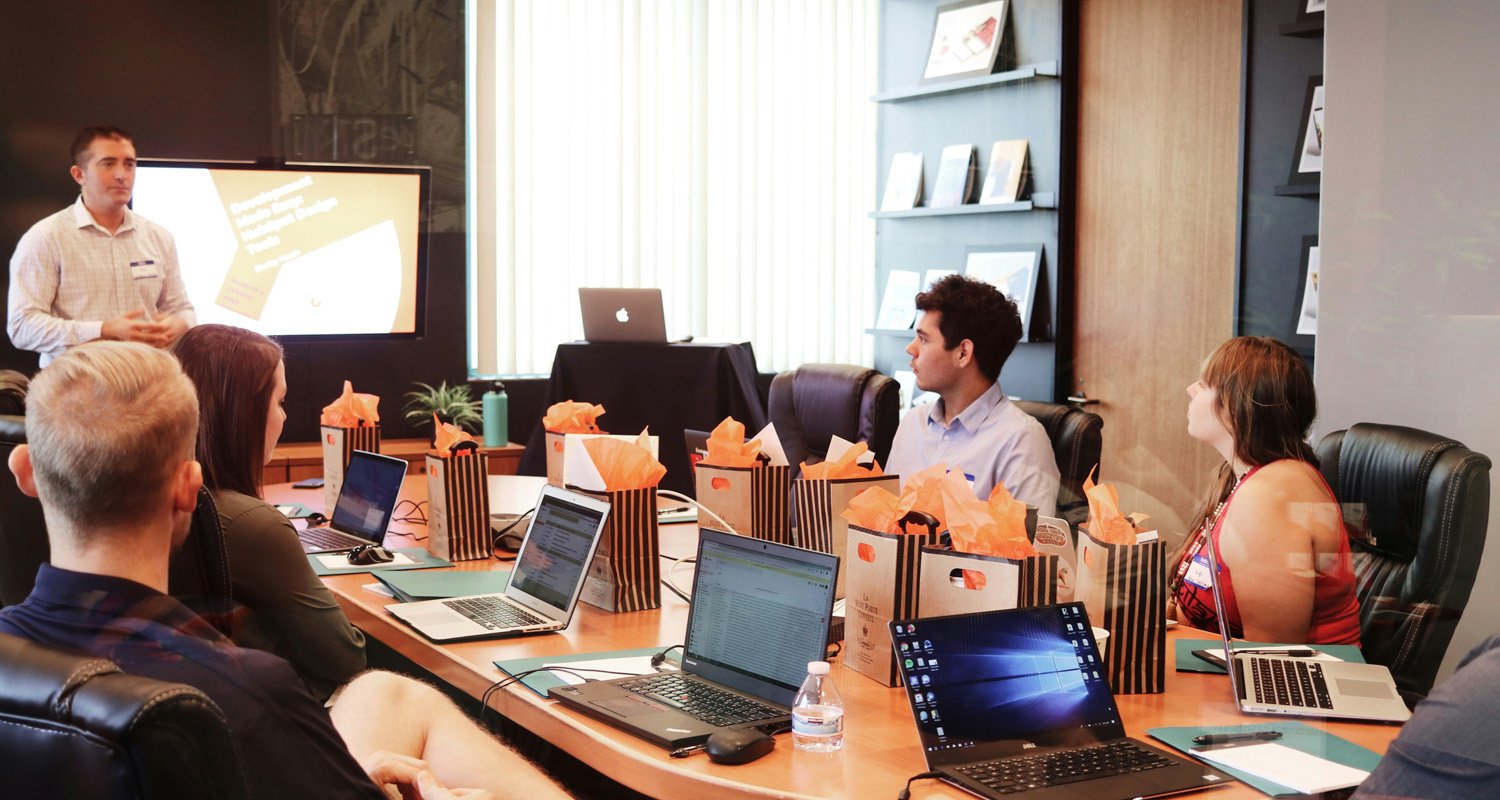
(1299,652)
(1226,738)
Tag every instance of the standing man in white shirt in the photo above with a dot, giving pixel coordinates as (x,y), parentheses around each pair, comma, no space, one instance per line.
(966,331)
(97,270)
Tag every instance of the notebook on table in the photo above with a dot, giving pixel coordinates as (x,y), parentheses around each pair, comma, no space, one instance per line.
(544,584)
(760,613)
(1015,703)
(367,500)
(1270,684)
(622,315)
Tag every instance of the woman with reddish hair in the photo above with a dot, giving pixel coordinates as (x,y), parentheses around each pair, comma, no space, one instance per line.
(281,606)
(1278,535)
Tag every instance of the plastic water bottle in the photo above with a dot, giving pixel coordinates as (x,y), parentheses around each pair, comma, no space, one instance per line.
(818,713)
(496,416)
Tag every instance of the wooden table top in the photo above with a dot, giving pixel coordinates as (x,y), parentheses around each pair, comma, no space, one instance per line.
(881,748)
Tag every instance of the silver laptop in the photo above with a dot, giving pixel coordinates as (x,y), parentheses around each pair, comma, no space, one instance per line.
(544,584)
(1271,684)
(366,503)
(622,315)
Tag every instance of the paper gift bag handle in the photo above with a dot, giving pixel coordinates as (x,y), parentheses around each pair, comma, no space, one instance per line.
(472,447)
(921,518)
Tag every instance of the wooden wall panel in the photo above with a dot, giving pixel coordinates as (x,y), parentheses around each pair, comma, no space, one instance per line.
(1158,122)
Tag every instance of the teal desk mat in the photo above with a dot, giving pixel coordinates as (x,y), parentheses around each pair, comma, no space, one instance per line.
(424,559)
(427,585)
(540,682)
(1187,662)
(1295,735)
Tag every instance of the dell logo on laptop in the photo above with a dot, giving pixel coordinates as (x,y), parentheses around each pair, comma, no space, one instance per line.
(1028,745)
(677,730)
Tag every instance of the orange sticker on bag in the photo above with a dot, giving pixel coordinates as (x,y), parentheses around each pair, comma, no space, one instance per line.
(866,552)
(720,484)
(557,445)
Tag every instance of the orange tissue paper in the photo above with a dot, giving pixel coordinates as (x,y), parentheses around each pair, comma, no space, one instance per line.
(449,436)
(352,409)
(727,446)
(571,417)
(1106,523)
(625,465)
(876,509)
(845,466)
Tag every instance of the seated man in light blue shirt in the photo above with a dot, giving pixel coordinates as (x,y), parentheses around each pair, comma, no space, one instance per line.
(966,331)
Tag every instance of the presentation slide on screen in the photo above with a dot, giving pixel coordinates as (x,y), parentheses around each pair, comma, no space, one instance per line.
(285,252)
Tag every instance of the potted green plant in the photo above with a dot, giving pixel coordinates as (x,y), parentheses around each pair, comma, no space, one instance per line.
(452,404)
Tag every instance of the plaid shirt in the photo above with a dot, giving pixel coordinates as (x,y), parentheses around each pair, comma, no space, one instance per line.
(69,275)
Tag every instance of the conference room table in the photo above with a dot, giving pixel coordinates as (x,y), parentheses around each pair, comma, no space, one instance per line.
(881,748)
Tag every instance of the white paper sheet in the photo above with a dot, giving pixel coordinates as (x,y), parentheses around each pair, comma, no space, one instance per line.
(602,669)
(770,445)
(341,561)
(1281,764)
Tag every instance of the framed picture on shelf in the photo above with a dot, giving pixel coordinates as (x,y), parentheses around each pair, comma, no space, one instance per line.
(965,40)
(1013,269)
(1311,10)
(1307,158)
(1307,305)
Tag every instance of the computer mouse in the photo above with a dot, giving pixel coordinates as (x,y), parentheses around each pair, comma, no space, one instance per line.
(370,554)
(738,746)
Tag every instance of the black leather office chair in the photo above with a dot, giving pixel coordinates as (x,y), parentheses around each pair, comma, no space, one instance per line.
(76,726)
(814,402)
(1077,440)
(1416,506)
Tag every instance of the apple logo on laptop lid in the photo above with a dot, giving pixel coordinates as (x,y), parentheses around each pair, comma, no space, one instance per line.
(622,315)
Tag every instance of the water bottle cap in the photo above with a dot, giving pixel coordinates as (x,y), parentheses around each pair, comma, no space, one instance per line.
(817,667)
(497,387)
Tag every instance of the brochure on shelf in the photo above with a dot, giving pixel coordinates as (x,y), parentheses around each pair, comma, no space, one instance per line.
(1008,172)
(903,186)
(955,179)
(898,307)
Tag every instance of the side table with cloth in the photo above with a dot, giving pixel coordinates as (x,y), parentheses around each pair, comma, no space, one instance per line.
(667,387)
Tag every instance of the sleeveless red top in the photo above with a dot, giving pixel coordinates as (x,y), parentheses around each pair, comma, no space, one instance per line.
(1335,616)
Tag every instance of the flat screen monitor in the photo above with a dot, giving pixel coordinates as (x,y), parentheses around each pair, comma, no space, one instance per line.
(296,250)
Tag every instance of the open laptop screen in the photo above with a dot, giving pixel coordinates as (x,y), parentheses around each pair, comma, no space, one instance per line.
(556,551)
(994,684)
(760,612)
(368,495)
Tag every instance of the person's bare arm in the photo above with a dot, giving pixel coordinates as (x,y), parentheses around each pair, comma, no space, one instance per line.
(1268,542)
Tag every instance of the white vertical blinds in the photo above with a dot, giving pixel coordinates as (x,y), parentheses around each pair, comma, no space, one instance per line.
(721,150)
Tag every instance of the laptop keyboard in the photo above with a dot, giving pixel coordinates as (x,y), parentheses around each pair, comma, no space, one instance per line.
(1290,683)
(493,613)
(708,703)
(1028,772)
(329,538)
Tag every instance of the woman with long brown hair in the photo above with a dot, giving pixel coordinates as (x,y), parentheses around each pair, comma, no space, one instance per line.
(1285,570)
(282,607)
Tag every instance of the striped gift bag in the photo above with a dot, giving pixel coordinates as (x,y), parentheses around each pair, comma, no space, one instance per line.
(753,501)
(820,506)
(964,583)
(626,573)
(1124,588)
(338,444)
(884,585)
(458,503)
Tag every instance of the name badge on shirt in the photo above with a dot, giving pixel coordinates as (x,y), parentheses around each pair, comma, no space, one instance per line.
(144,270)
(1198,573)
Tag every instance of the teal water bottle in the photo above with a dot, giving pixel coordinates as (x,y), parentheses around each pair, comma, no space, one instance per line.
(496,416)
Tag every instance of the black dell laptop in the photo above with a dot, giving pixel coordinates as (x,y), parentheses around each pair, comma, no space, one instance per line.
(1016,704)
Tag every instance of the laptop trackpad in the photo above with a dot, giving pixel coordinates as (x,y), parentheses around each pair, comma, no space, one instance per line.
(1357,688)
(628,706)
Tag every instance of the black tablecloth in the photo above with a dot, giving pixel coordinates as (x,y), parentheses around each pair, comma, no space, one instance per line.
(666,387)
